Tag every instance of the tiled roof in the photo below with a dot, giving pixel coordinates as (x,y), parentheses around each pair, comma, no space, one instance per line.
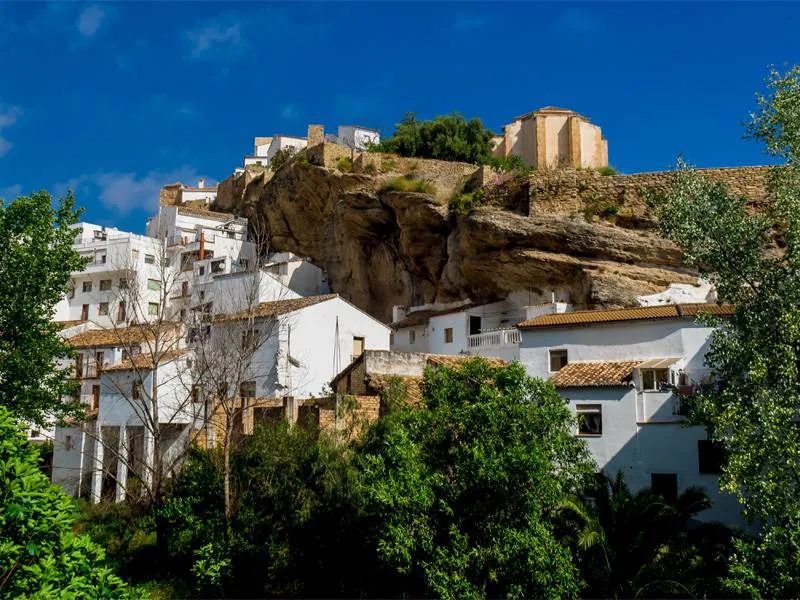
(419,317)
(145,361)
(277,307)
(444,360)
(209,214)
(110,337)
(590,374)
(667,311)
(68,324)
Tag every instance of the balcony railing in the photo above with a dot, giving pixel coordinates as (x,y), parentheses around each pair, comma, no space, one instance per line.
(500,337)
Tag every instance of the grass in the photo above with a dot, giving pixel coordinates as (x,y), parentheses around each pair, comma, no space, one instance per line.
(606,171)
(408,184)
(345,164)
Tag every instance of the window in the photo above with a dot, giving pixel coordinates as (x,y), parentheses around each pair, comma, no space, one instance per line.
(95,397)
(103,308)
(68,443)
(98,360)
(85,312)
(250,339)
(183,314)
(196,395)
(201,270)
(79,365)
(665,485)
(412,336)
(124,283)
(154,284)
(105,285)
(710,457)
(135,256)
(135,391)
(391,338)
(247,389)
(121,311)
(152,308)
(652,379)
(590,419)
(448,335)
(474,325)
(358,347)
(87,287)
(202,295)
(184,288)
(558,360)
(149,259)
(101,258)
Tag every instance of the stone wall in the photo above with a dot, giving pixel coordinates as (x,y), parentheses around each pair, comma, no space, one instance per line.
(573,191)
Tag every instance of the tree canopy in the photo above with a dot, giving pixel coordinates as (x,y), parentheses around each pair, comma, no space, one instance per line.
(446,137)
(39,555)
(753,258)
(36,260)
(462,491)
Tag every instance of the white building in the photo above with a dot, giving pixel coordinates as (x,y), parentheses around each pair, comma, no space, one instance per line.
(619,370)
(265,148)
(356,137)
(314,338)
(465,328)
(180,193)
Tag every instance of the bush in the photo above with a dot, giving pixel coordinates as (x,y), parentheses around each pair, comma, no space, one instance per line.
(409,184)
(281,157)
(345,164)
(39,554)
(370,169)
(606,171)
(448,137)
(512,162)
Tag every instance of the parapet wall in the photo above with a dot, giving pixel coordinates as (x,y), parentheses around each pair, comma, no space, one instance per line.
(571,191)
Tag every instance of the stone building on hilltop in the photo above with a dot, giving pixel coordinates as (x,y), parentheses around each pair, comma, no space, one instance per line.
(551,137)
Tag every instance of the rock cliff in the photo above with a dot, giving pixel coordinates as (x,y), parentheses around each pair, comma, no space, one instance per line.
(382,247)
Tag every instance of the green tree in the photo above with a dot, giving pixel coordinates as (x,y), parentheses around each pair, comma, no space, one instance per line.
(753,258)
(641,544)
(36,259)
(463,492)
(447,137)
(40,557)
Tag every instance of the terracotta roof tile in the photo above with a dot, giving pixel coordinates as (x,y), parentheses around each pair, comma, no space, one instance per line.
(110,337)
(419,317)
(668,311)
(277,307)
(210,214)
(145,361)
(443,360)
(412,384)
(68,324)
(591,374)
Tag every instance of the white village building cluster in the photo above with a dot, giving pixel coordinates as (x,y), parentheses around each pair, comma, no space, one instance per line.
(168,313)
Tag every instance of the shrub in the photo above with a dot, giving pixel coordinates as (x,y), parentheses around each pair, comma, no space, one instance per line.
(40,556)
(345,164)
(409,184)
(511,162)
(281,157)
(370,169)
(606,171)
(447,137)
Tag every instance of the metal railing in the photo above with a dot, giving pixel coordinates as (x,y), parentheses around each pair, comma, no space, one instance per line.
(500,337)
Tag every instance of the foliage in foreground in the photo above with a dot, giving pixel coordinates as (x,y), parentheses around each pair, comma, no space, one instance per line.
(754,261)
(40,557)
(36,260)
(463,493)
(633,545)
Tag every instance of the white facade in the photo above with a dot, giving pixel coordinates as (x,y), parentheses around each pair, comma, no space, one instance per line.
(267,148)
(356,137)
(642,431)
(463,328)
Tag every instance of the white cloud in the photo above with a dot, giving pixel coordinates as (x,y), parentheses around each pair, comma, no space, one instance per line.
(214,35)
(10,192)
(124,192)
(8,116)
(90,20)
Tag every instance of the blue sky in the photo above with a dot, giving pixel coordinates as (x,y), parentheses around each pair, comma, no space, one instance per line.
(114,100)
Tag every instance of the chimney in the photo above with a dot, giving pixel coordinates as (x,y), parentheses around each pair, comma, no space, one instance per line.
(202,245)
(201,183)
(398,313)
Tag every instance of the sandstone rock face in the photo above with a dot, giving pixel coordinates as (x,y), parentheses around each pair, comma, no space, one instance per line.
(382,248)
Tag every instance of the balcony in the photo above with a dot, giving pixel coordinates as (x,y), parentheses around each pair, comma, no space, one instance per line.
(494,339)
